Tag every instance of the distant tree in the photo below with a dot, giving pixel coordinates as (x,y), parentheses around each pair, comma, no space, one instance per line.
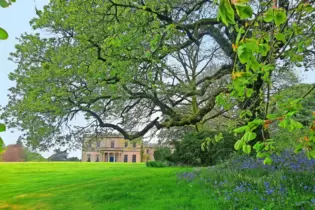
(32,156)
(59,155)
(13,153)
(19,142)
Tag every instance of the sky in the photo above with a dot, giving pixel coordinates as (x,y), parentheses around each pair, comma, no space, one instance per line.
(15,20)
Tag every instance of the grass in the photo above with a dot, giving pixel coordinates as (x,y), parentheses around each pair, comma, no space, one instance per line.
(96,186)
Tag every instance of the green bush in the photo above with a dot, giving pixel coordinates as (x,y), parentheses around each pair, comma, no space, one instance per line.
(156,164)
(189,151)
(161,153)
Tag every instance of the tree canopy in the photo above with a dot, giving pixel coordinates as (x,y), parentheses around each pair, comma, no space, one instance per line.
(140,66)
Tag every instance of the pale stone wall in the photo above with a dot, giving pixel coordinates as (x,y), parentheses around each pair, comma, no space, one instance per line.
(130,153)
(93,149)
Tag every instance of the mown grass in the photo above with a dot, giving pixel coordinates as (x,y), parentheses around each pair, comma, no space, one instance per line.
(96,186)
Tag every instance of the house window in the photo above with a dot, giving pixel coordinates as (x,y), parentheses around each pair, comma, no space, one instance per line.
(97,158)
(126,143)
(125,158)
(112,144)
(148,151)
(98,144)
(134,158)
(88,158)
(134,144)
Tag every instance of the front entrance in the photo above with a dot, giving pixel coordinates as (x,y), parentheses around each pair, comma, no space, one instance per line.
(112,157)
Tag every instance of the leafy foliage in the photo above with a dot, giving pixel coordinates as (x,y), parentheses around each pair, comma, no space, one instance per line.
(126,65)
(161,153)
(203,148)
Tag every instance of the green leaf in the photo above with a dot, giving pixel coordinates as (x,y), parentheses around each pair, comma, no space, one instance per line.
(295,124)
(4,3)
(239,34)
(3,34)
(280,16)
(244,11)
(244,54)
(312,154)
(284,123)
(218,137)
(1,144)
(261,155)
(2,127)
(240,129)
(238,144)
(257,122)
(248,136)
(226,12)
(247,149)
(280,37)
(268,161)
(269,15)
(249,92)
(264,49)
(272,116)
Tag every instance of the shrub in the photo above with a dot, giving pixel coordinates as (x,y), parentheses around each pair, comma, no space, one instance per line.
(188,151)
(156,164)
(161,153)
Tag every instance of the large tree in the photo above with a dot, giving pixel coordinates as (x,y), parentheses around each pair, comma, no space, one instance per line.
(136,66)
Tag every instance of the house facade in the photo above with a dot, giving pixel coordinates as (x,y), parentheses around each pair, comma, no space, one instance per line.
(114,148)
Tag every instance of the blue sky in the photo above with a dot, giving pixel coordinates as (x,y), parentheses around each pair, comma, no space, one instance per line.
(15,20)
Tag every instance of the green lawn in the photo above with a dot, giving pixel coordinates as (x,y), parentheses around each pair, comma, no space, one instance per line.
(96,186)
